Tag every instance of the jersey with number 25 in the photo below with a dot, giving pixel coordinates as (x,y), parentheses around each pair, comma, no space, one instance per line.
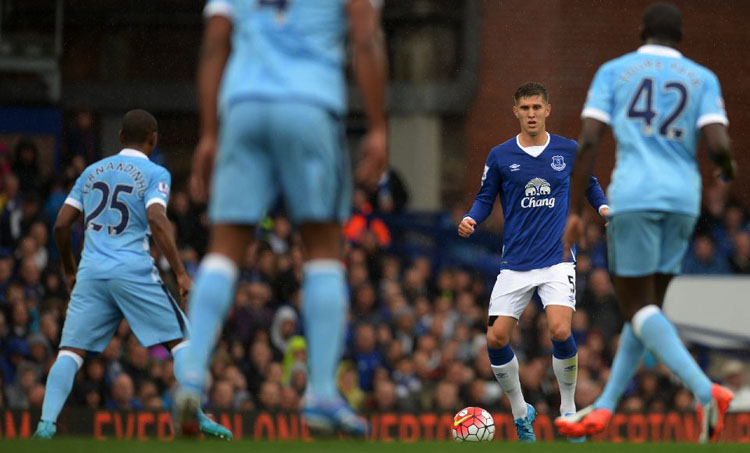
(656,101)
(113,195)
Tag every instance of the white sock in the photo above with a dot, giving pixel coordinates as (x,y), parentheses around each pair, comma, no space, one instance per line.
(566,372)
(507,376)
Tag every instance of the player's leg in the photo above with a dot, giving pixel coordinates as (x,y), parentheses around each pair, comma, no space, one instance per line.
(243,186)
(633,244)
(558,295)
(649,323)
(509,298)
(313,166)
(90,322)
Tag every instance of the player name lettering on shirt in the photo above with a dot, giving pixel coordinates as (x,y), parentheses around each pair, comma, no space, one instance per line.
(139,179)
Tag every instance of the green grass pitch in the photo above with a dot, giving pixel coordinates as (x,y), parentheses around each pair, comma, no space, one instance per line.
(72,445)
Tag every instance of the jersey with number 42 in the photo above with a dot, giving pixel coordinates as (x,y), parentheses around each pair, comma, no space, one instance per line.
(656,101)
(113,195)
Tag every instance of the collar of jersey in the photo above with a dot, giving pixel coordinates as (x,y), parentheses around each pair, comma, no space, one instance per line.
(130,152)
(530,149)
(662,51)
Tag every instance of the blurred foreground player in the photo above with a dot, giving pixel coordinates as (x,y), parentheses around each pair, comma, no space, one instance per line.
(272,71)
(124,200)
(531,174)
(658,103)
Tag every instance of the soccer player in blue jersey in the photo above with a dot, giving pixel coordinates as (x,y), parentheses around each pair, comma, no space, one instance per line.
(658,103)
(123,199)
(271,74)
(530,172)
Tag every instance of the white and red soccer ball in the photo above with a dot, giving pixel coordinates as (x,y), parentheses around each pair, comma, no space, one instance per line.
(473,424)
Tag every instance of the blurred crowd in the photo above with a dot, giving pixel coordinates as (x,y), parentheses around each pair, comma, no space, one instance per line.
(416,337)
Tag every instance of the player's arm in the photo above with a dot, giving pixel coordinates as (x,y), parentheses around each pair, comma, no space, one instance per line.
(485,199)
(214,54)
(161,231)
(595,196)
(592,132)
(370,72)
(720,150)
(64,239)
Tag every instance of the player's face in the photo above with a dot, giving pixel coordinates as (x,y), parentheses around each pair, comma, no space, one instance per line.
(532,113)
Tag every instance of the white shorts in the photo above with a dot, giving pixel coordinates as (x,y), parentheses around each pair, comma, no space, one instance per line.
(513,289)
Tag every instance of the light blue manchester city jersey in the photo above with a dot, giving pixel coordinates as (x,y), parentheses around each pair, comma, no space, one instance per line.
(114,194)
(656,101)
(284,50)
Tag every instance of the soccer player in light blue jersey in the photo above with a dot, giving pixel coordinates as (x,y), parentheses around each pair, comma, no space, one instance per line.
(123,199)
(658,103)
(530,173)
(272,98)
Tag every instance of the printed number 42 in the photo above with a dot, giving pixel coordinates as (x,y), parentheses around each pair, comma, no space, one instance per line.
(642,108)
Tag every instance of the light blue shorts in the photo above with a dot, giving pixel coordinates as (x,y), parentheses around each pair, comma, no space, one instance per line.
(97,307)
(288,149)
(643,243)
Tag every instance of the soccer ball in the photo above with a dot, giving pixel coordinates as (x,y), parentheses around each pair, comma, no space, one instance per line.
(473,424)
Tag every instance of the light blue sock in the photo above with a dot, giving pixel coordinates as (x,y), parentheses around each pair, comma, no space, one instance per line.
(324,308)
(59,384)
(209,302)
(660,337)
(630,351)
(179,360)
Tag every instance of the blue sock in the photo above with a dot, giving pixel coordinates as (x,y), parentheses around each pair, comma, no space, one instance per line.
(209,302)
(500,356)
(630,351)
(59,384)
(660,337)
(564,349)
(324,310)
(179,360)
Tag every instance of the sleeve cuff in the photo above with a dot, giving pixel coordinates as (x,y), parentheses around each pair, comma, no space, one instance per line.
(712,118)
(155,200)
(604,206)
(218,9)
(75,203)
(597,114)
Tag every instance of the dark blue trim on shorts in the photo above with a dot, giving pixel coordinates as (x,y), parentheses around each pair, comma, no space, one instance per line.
(176,309)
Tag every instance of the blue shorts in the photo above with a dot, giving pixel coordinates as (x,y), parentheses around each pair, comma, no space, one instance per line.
(97,307)
(643,243)
(288,149)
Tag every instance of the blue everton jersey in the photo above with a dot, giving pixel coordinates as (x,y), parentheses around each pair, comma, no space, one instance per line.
(656,101)
(284,50)
(113,195)
(534,193)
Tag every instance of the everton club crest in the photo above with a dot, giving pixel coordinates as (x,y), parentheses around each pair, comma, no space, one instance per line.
(558,163)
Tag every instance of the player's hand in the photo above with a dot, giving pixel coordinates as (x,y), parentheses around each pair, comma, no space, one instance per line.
(70,282)
(186,284)
(373,161)
(573,232)
(203,164)
(466,228)
(604,212)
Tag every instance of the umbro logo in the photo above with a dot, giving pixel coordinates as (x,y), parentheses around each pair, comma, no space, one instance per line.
(515,167)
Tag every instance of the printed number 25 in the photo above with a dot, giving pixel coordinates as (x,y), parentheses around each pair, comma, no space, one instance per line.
(114,203)
(642,107)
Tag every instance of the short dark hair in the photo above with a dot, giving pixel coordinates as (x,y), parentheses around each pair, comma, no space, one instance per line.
(137,125)
(530,89)
(662,21)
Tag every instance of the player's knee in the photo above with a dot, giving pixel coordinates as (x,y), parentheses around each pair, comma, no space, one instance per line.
(559,331)
(497,338)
